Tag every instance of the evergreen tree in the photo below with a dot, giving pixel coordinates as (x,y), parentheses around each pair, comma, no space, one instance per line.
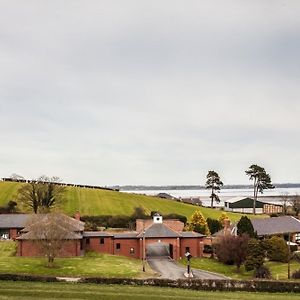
(198,223)
(245,226)
(214,183)
(255,255)
(261,181)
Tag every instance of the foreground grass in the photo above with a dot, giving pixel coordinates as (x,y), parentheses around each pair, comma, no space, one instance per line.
(278,269)
(93,264)
(101,202)
(34,290)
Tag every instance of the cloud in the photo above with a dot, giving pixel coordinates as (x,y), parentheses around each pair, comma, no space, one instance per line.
(148,93)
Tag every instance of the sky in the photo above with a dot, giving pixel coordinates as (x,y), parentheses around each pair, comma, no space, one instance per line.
(149,92)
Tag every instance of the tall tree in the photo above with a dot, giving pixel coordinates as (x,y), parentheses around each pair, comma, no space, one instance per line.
(41,194)
(261,181)
(214,183)
(294,202)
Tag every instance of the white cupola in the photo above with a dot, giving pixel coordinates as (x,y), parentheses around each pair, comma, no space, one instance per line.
(157,218)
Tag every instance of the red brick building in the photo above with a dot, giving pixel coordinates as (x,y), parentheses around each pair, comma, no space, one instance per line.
(154,237)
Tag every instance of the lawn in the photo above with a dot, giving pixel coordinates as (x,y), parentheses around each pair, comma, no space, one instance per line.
(93,264)
(34,290)
(101,202)
(278,269)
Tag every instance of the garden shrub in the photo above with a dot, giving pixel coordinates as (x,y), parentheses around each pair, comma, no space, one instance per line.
(262,272)
(277,249)
(255,255)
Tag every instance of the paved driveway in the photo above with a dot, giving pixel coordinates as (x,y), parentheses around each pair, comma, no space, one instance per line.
(171,270)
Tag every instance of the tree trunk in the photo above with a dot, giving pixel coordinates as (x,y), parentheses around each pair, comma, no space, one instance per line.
(212,198)
(254,196)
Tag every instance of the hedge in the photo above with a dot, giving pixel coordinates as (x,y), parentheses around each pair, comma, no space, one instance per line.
(195,284)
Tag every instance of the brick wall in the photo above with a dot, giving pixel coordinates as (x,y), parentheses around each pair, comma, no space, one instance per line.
(126,247)
(95,245)
(29,248)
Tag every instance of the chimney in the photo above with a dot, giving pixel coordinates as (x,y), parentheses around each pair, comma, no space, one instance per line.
(226,226)
(77,216)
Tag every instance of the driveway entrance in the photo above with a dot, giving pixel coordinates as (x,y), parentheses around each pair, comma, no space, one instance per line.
(158,249)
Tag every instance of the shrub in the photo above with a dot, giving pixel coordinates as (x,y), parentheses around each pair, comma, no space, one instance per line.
(277,249)
(255,255)
(296,274)
(232,249)
(262,272)
(214,225)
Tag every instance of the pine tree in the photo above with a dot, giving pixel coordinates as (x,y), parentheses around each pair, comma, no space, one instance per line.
(255,255)
(214,183)
(198,223)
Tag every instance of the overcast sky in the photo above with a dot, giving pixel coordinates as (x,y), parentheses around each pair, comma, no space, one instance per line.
(149,92)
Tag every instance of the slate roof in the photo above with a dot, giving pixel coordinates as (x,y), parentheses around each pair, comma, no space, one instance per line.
(158,231)
(96,233)
(13,220)
(69,236)
(276,225)
(191,234)
(126,235)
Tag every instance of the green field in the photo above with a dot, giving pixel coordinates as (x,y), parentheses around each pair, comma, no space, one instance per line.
(91,265)
(278,269)
(101,202)
(35,290)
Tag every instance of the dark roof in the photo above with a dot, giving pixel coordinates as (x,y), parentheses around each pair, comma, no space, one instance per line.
(191,234)
(126,235)
(13,220)
(243,202)
(276,225)
(96,233)
(159,230)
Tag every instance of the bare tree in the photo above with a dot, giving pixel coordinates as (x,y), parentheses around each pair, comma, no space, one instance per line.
(294,201)
(41,194)
(50,232)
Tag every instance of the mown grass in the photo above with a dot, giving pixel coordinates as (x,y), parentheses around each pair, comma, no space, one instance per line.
(93,264)
(101,202)
(34,290)
(278,269)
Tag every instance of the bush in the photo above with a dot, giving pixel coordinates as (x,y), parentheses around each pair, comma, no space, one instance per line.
(296,274)
(262,272)
(214,225)
(232,249)
(255,255)
(277,249)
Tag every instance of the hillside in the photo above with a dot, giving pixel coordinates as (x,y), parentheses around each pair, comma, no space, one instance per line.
(100,202)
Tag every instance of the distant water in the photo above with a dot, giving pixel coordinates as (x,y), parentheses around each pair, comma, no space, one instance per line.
(271,196)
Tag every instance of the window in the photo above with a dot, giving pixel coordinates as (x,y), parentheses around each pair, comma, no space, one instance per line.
(101,241)
(4,234)
(87,241)
(118,246)
(187,249)
(131,251)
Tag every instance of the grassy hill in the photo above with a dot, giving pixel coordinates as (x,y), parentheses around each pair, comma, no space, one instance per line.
(100,202)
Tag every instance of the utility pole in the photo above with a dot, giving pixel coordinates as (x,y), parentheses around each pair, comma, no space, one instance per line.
(144,251)
(289,258)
